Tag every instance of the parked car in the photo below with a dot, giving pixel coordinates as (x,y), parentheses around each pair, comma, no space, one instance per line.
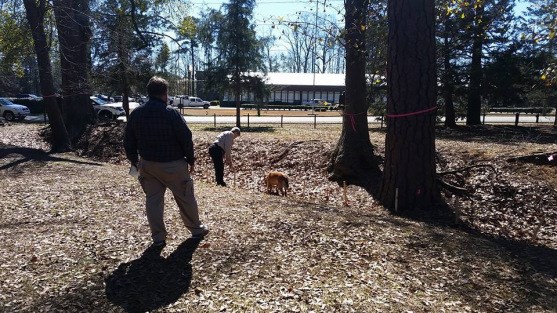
(105,98)
(28,96)
(115,108)
(178,100)
(142,99)
(187,101)
(11,111)
(316,102)
(120,99)
(107,110)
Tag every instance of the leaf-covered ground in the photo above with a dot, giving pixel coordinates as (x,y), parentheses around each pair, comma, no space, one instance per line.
(75,238)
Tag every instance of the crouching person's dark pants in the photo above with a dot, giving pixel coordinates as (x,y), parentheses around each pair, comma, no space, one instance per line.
(216,154)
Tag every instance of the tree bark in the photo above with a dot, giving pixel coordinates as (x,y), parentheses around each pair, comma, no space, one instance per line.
(74,33)
(237,94)
(352,160)
(448,88)
(474,111)
(35,16)
(123,58)
(409,171)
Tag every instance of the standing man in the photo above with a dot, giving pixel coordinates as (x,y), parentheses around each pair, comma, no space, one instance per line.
(160,136)
(221,152)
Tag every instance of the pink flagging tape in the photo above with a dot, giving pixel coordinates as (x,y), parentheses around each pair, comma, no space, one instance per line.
(352,120)
(412,113)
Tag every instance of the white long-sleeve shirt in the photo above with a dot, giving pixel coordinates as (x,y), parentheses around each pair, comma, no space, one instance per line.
(225,140)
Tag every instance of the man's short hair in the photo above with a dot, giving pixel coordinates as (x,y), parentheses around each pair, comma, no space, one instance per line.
(157,86)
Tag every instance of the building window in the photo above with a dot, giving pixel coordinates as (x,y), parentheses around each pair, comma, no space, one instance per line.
(305,96)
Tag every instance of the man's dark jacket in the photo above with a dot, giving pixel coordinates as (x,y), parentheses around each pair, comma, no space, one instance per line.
(158,133)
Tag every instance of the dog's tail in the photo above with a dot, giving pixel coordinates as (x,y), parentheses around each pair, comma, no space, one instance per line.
(286,181)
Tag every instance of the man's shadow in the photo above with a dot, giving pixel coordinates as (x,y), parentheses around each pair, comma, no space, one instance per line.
(152,281)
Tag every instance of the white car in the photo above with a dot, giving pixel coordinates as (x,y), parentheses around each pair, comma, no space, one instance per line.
(11,111)
(187,101)
(107,110)
(110,110)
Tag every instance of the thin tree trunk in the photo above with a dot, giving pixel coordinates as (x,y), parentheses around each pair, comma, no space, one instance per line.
(555,121)
(72,21)
(123,57)
(352,160)
(237,93)
(409,171)
(549,101)
(35,16)
(450,118)
(474,111)
(237,96)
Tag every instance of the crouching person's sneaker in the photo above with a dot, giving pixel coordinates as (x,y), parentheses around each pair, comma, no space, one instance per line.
(200,232)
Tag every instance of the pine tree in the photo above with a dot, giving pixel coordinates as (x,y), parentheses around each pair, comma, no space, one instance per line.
(239,51)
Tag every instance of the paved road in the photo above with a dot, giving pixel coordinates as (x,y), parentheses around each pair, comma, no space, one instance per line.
(490,119)
(310,119)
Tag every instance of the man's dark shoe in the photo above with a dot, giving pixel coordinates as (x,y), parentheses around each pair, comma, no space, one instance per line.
(222,184)
(201,232)
(159,244)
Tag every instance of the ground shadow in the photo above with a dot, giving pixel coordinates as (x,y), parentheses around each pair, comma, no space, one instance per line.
(31,154)
(529,275)
(250,129)
(504,134)
(487,265)
(152,281)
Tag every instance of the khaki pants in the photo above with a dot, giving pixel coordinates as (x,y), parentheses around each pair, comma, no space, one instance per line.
(154,178)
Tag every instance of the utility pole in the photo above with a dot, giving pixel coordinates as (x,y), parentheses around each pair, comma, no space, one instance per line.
(193,93)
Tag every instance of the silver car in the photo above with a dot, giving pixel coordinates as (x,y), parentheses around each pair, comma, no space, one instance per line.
(11,111)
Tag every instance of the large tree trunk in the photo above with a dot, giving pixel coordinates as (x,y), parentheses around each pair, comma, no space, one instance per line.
(409,172)
(352,160)
(474,111)
(74,33)
(35,16)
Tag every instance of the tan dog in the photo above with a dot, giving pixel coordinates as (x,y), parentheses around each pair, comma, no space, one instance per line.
(278,181)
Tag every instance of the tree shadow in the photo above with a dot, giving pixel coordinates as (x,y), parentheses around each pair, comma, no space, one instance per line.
(152,281)
(31,154)
(482,268)
(529,277)
(504,134)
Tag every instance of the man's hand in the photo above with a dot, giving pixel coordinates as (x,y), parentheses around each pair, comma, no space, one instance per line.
(192,169)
